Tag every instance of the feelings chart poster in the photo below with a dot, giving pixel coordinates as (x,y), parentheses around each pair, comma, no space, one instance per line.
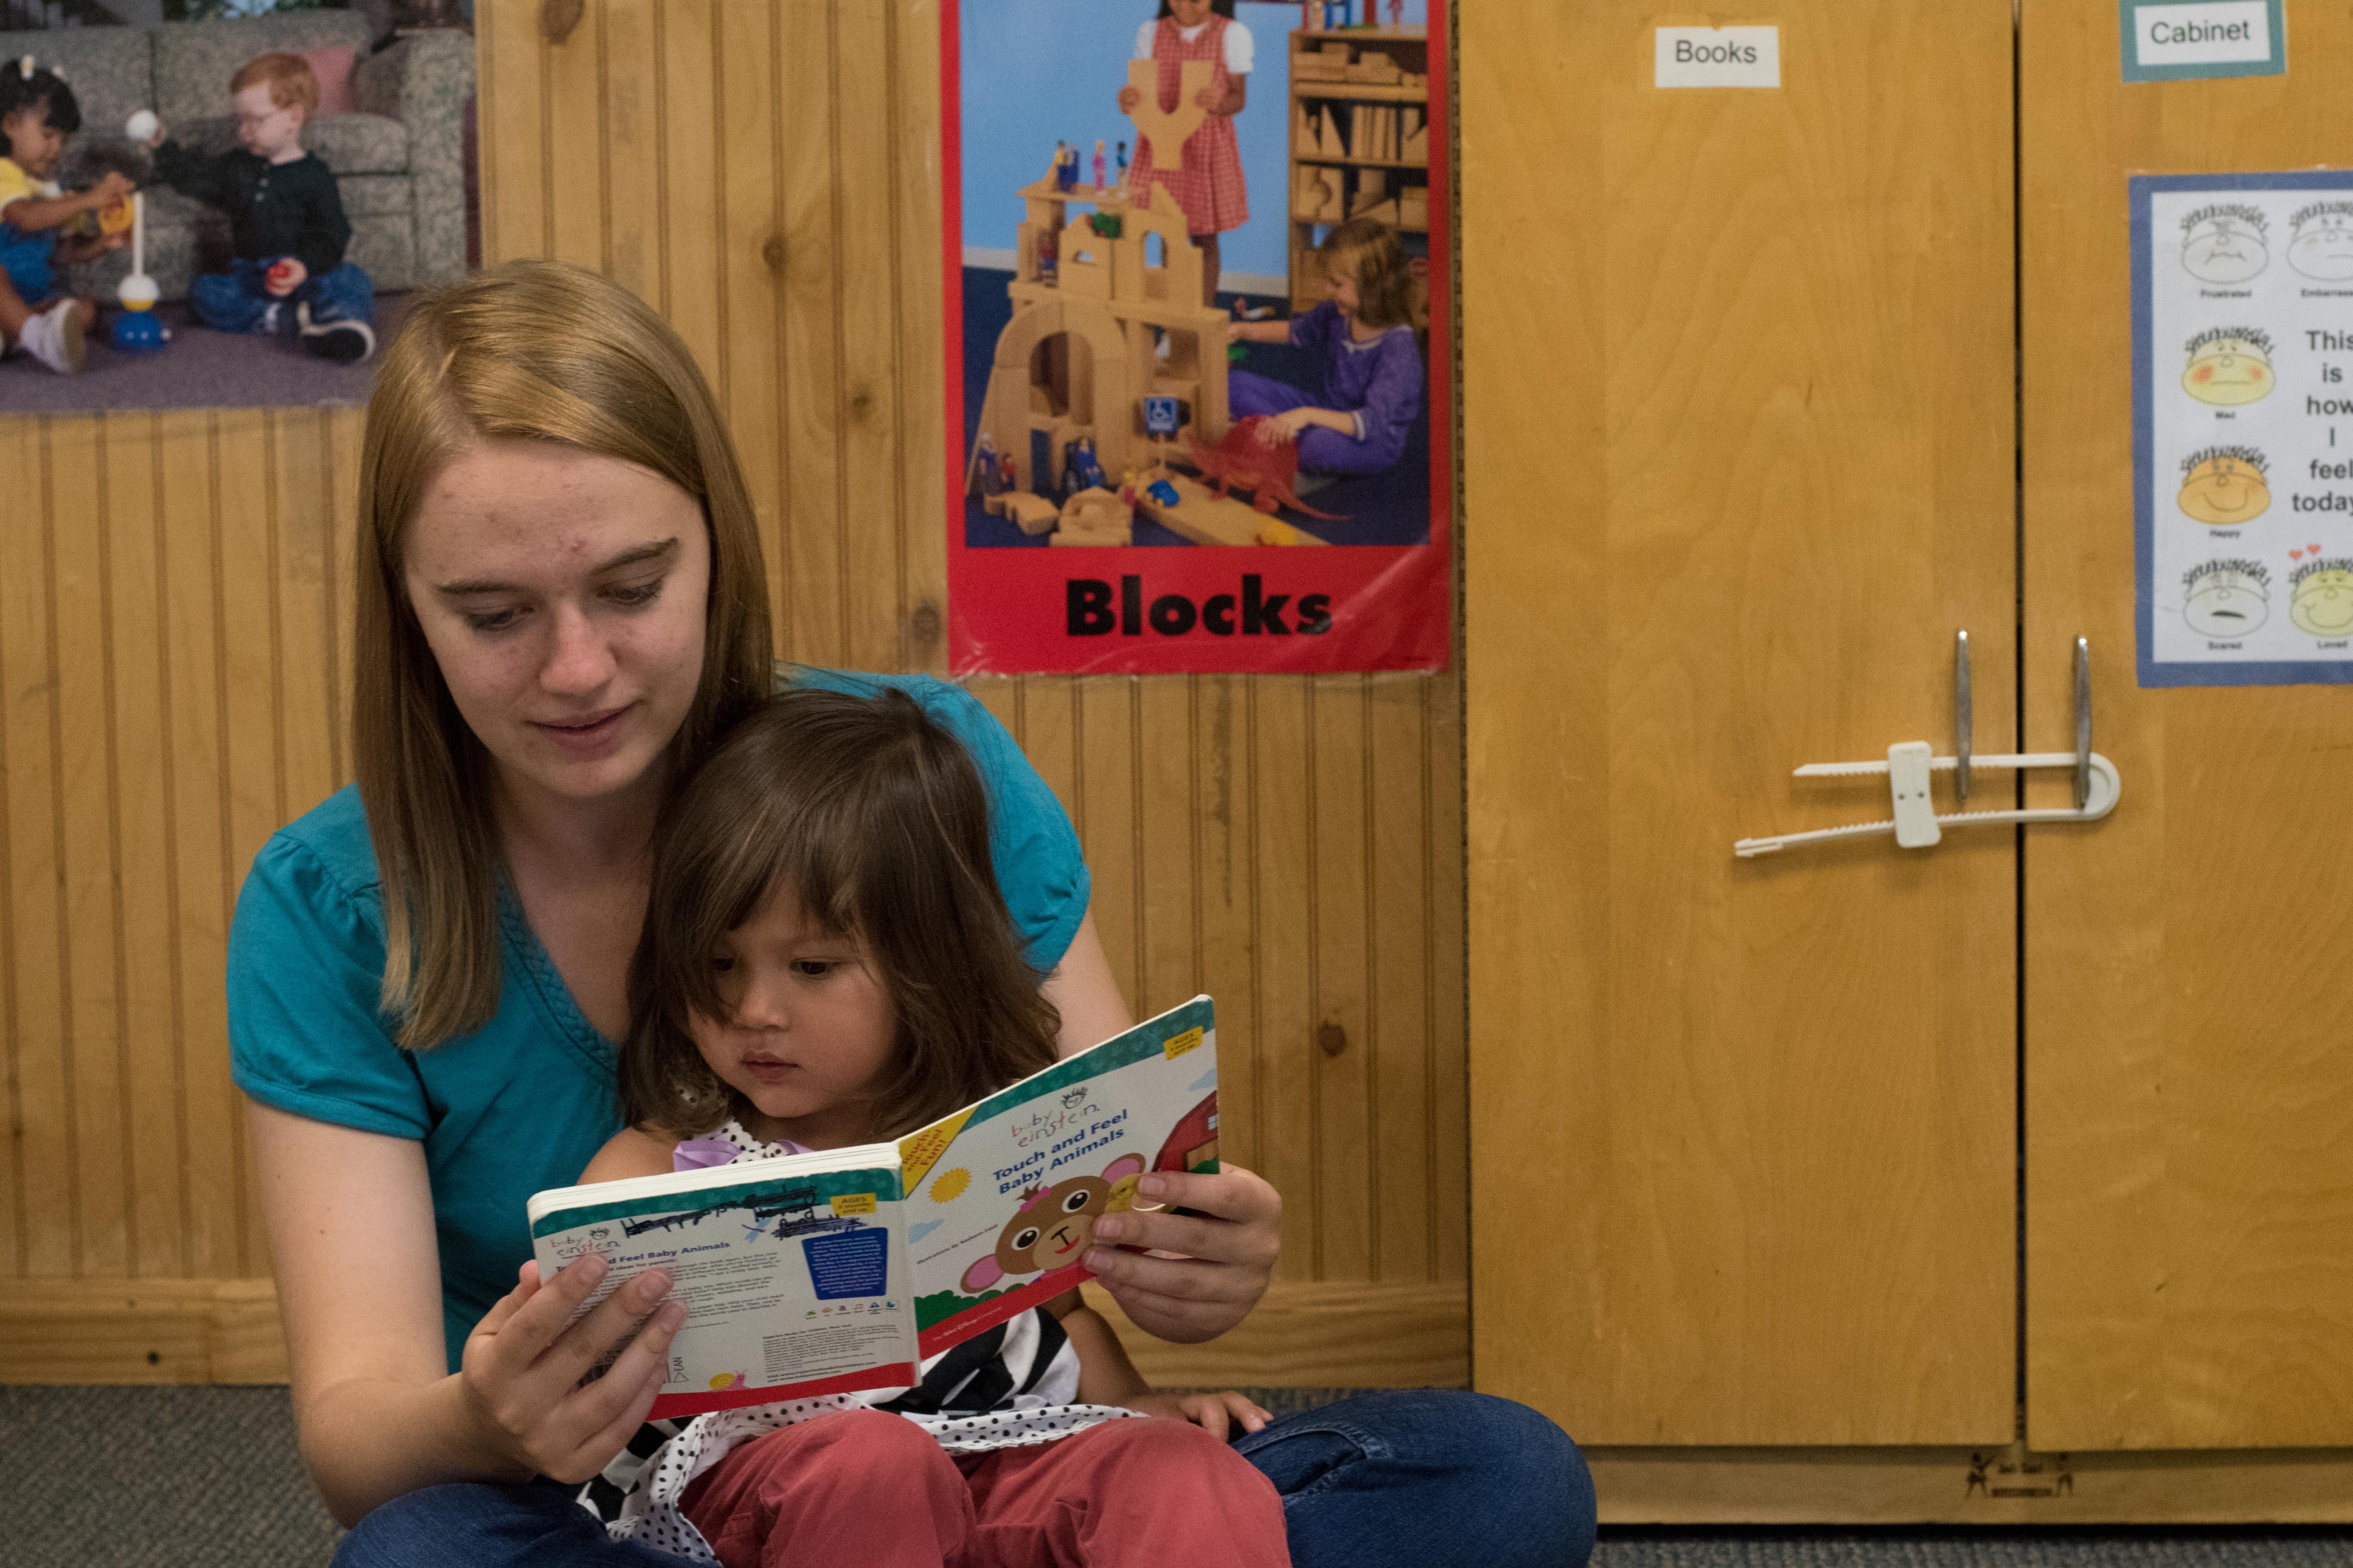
(2243,444)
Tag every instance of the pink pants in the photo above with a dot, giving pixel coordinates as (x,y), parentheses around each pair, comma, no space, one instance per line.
(870,1488)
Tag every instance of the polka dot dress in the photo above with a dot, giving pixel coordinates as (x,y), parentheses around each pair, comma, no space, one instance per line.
(1009,1388)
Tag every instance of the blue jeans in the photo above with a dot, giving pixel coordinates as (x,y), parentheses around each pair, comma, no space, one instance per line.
(236,300)
(1419,1478)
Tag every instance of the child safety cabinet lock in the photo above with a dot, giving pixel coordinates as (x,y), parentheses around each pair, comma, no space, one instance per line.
(1910,764)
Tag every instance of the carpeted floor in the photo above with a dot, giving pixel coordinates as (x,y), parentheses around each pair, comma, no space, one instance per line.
(197,369)
(209,1477)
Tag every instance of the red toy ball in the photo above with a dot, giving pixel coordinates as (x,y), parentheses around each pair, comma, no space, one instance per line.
(281,275)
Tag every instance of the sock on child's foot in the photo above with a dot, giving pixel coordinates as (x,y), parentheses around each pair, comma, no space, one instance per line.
(345,342)
(54,337)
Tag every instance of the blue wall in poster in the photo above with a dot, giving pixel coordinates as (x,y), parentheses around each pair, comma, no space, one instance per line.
(1041,71)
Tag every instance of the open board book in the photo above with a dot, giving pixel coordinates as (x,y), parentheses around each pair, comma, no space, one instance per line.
(824,1273)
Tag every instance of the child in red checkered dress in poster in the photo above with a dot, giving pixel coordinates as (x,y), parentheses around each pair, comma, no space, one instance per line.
(1208,182)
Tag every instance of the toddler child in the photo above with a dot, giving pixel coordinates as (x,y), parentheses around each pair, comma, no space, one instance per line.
(1371,366)
(1207,183)
(37,113)
(286,220)
(826,960)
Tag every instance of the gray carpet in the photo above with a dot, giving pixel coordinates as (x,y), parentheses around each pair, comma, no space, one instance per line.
(209,1477)
(197,369)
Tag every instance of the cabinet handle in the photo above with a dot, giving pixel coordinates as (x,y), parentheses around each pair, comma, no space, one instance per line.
(1961,719)
(2082,721)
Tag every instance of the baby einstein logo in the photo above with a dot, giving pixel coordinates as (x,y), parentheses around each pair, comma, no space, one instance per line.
(1043,1126)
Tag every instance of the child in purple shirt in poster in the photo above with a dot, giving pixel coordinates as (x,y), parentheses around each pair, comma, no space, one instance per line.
(1372,370)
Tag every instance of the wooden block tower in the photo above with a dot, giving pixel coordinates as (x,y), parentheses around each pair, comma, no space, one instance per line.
(1083,348)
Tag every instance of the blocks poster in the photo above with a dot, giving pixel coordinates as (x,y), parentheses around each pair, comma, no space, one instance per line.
(1199,305)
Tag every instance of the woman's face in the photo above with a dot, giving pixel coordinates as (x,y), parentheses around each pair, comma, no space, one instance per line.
(563,593)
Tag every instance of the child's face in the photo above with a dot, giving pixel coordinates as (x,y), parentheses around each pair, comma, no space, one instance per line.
(561,594)
(33,141)
(1189,12)
(813,1030)
(1343,292)
(264,127)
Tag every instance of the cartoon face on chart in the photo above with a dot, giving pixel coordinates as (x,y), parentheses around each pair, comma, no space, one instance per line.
(1053,1226)
(2226,599)
(2224,244)
(2320,242)
(2323,602)
(2225,486)
(2229,365)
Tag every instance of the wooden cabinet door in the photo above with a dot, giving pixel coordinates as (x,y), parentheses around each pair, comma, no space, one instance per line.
(1739,451)
(2188,963)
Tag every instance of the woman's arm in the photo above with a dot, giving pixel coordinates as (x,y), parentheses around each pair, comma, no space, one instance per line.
(351,1230)
(1229,1244)
(1085,991)
(1106,1376)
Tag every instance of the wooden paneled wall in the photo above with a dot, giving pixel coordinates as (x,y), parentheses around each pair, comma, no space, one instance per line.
(175,647)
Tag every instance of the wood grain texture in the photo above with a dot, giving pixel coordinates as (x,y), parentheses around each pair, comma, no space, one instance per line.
(174,666)
(1933,1486)
(1342,1333)
(1739,462)
(174,653)
(2190,1238)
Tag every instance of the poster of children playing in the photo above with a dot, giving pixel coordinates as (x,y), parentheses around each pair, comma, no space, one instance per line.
(231,212)
(1197,267)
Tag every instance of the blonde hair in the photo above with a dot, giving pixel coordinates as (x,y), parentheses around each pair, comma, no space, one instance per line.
(1369,251)
(533,350)
(290,80)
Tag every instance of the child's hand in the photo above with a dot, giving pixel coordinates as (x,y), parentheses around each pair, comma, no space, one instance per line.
(1283,428)
(1213,1413)
(1208,98)
(1128,98)
(285,278)
(110,190)
(156,141)
(116,241)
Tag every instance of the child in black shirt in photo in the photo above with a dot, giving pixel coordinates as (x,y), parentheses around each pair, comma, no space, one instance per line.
(285,216)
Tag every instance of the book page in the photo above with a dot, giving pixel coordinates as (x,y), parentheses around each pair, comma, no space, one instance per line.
(1002,1198)
(795,1283)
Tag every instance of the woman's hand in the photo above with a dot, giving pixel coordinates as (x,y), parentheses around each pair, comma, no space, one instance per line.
(1225,1250)
(1214,1413)
(523,1369)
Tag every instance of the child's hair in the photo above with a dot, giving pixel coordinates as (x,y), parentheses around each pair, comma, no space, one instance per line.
(1367,250)
(1220,7)
(290,80)
(874,816)
(24,84)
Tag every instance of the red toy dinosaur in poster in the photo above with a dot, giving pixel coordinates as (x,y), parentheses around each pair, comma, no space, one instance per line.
(1267,468)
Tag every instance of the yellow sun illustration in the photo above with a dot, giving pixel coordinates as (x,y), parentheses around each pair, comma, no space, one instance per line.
(949,1185)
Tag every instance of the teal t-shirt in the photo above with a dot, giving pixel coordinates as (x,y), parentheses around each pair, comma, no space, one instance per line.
(525,1101)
